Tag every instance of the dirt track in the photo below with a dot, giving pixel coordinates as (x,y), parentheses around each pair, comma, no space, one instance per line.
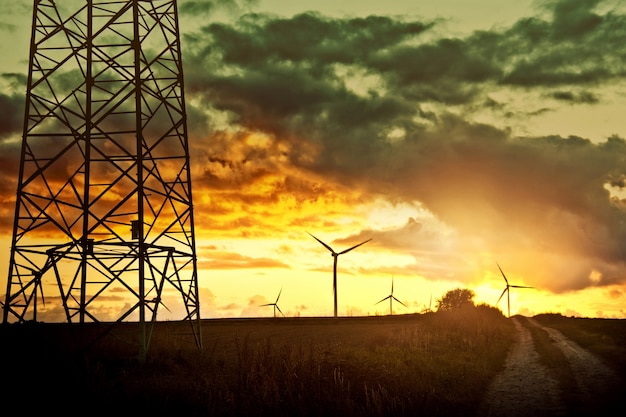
(525,387)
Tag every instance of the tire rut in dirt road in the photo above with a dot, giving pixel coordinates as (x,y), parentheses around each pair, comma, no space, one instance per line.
(524,388)
(597,386)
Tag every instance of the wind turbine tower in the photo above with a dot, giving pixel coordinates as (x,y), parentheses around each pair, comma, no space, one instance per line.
(103,207)
(335,255)
(391,297)
(275,304)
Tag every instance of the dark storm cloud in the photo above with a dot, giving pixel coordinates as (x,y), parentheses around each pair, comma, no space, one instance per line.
(445,62)
(8,27)
(290,79)
(9,11)
(577,46)
(585,97)
(466,168)
(196,8)
(204,8)
(413,69)
(12,104)
(11,114)
(11,120)
(308,38)
(283,75)
(573,19)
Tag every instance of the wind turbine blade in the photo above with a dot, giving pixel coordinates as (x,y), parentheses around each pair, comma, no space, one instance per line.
(399,301)
(324,244)
(502,295)
(279,292)
(519,286)
(503,276)
(163,304)
(281,312)
(386,298)
(264,305)
(392,285)
(158,301)
(353,247)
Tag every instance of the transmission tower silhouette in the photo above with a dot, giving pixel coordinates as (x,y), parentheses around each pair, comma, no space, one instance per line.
(104,225)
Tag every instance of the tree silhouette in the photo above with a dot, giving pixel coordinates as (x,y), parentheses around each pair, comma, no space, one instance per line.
(456,299)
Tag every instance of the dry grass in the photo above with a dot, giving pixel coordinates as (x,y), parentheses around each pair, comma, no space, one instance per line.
(604,337)
(434,364)
(600,336)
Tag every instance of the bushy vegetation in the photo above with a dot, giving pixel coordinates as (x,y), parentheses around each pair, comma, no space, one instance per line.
(455,299)
(433,364)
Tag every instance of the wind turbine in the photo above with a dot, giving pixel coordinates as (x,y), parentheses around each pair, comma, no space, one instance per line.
(506,290)
(391,298)
(335,255)
(275,304)
(430,303)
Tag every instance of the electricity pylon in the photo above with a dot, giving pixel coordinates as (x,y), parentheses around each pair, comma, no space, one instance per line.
(103,207)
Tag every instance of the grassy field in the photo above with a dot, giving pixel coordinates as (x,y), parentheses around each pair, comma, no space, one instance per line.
(602,337)
(435,364)
(606,338)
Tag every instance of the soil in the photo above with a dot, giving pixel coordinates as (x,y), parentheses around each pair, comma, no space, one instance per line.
(525,387)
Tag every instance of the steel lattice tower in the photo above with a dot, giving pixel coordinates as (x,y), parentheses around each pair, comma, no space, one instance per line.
(104,208)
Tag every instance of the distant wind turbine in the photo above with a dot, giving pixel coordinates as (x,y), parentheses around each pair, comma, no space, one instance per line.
(275,304)
(430,303)
(391,298)
(506,290)
(335,255)
(37,280)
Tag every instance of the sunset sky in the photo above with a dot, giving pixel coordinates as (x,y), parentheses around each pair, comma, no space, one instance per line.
(456,134)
